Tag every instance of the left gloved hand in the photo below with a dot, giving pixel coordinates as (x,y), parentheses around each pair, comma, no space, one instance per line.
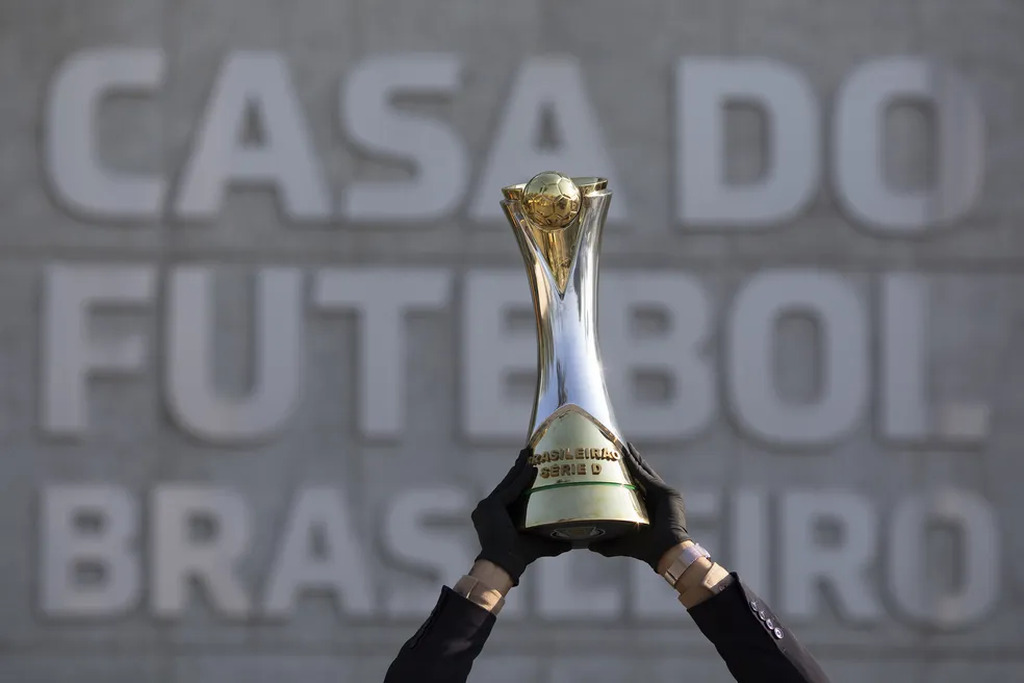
(500,541)
(667,514)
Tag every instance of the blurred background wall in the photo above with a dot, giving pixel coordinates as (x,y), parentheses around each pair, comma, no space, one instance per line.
(265,338)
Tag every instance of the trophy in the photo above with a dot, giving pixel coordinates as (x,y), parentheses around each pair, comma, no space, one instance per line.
(583,490)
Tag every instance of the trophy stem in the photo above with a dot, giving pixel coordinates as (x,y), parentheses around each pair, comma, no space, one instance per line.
(569,367)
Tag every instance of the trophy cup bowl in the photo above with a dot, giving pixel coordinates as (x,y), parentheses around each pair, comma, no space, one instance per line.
(583,490)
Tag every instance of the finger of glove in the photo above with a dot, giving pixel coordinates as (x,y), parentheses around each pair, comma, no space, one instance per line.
(510,476)
(522,476)
(641,475)
(546,547)
(635,453)
(493,516)
(619,547)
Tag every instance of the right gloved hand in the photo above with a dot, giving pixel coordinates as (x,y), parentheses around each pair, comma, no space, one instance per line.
(665,509)
(500,541)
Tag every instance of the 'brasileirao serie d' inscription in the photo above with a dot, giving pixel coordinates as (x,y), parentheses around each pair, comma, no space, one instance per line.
(539,460)
(581,471)
(574,454)
(569,470)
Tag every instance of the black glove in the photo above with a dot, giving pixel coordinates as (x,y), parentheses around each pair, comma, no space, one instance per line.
(500,540)
(664,508)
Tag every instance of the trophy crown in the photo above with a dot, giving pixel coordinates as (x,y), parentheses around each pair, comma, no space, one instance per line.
(551,200)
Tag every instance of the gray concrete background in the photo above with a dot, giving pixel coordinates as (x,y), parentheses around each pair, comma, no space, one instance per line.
(628,51)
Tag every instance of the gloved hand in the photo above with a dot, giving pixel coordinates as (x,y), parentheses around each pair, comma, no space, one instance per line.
(500,541)
(664,508)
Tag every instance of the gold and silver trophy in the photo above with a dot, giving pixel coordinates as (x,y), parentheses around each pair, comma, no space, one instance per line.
(583,491)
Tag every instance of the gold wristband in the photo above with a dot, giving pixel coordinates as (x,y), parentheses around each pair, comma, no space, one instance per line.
(714,581)
(477,592)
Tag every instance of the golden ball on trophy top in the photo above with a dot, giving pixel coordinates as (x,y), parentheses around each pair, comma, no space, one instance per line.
(551,200)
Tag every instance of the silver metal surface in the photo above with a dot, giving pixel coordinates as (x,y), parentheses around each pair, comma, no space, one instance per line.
(569,357)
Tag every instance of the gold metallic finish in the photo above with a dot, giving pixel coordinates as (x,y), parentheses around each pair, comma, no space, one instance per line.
(583,478)
(513,192)
(590,184)
(549,206)
(551,200)
(582,490)
(479,593)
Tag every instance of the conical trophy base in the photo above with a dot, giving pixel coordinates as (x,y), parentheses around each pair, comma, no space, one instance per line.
(583,491)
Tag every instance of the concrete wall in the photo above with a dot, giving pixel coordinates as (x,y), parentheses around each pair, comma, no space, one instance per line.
(857,461)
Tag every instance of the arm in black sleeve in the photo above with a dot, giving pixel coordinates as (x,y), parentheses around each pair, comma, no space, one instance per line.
(756,647)
(444,648)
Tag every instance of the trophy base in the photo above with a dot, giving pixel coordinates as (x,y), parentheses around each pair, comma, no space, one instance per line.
(583,491)
(584,512)
(581,534)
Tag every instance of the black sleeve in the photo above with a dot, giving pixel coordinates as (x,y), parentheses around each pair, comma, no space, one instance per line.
(755,645)
(444,648)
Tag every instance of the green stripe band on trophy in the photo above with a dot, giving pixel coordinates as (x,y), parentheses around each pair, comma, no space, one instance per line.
(580,483)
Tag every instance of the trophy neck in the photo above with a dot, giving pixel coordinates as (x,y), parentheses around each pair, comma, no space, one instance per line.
(558,247)
(562,271)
